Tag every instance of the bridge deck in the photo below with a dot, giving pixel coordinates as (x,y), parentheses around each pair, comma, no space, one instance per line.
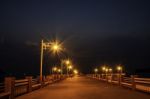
(84,88)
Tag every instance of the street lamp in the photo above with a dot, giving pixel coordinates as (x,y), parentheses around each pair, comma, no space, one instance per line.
(54,69)
(75,71)
(103,68)
(59,70)
(119,69)
(110,70)
(106,70)
(70,67)
(53,46)
(67,63)
(95,70)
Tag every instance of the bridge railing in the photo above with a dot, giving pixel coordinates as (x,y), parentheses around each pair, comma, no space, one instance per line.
(142,84)
(1,87)
(14,87)
(133,82)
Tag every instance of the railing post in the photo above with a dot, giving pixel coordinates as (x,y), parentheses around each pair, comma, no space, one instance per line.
(119,79)
(29,89)
(110,78)
(98,76)
(92,75)
(44,80)
(10,86)
(133,82)
(102,76)
(107,77)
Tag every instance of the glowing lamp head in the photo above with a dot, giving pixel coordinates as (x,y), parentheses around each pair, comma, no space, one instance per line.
(104,68)
(67,62)
(55,47)
(75,72)
(70,67)
(95,70)
(119,68)
(55,69)
(59,70)
(110,70)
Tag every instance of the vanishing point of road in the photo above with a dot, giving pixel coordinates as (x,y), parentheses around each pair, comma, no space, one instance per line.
(84,88)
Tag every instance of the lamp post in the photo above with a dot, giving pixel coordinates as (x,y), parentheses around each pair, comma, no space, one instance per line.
(119,68)
(41,62)
(95,70)
(53,46)
(59,70)
(67,63)
(69,68)
(54,69)
(110,71)
(75,71)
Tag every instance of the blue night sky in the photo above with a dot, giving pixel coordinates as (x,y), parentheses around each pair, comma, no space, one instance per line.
(94,32)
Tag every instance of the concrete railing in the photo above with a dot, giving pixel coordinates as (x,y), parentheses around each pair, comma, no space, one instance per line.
(133,82)
(14,87)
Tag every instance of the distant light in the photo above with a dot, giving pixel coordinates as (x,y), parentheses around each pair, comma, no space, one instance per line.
(54,68)
(119,68)
(110,69)
(106,70)
(59,70)
(75,72)
(70,67)
(95,70)
(103,68)
(67,62)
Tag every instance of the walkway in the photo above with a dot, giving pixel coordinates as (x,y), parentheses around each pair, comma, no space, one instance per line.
(84,88)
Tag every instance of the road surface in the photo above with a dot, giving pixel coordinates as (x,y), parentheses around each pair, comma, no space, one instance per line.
(84,88)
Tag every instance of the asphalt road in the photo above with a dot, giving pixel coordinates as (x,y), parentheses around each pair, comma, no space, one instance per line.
(84,88)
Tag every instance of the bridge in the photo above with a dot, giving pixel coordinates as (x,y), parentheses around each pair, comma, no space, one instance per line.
(92,86)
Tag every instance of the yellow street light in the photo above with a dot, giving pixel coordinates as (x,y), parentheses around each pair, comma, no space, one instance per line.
(110,69)
(67,62)
(54,69)
(106,70)
(55,47)
(59,70)
(70,67)
(119,68)
(103,68)
(75,72)
(95,70)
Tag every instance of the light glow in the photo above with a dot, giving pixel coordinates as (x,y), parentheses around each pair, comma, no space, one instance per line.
(95,70)
(67,62)
(55,47)
(70,67)
(119,68)
(59,70)
(103,68)
(75,72)
(54,69)
(110,70)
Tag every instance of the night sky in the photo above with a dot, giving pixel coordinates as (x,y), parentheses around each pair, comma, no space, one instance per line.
(93,32)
